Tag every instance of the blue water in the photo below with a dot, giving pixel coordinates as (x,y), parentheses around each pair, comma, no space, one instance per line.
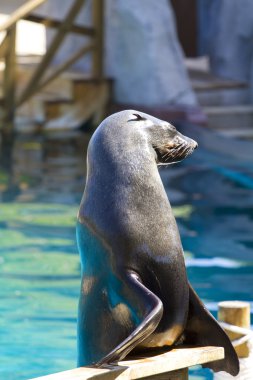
(212,196)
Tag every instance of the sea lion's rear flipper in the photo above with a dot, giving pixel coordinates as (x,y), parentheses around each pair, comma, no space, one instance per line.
(203,329)
(148,310)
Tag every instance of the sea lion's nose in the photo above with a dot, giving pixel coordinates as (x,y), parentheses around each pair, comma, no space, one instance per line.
(195,145)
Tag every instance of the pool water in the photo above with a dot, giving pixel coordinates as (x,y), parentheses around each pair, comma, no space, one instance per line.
(212,196)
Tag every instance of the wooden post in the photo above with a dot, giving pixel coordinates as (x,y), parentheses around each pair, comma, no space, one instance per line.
(236,313)
(98,23)
(64,28)
(9,80)
(3,47)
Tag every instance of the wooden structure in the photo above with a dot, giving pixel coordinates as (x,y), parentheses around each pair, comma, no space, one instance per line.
(234,317)
(236,313)
(172,365)
(43,74)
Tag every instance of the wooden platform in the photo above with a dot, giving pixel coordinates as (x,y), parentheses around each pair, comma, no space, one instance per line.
(174,364)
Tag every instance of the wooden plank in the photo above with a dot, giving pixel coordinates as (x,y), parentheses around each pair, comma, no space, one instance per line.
(9,80)
(46,60)
(53,23)
(98,22)
(20,13)
(79,374)
(4,47)
(52,108)
(83,88)
(173,360)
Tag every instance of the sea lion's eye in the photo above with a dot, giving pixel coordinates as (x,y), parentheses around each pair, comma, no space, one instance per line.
(172,128)
(137,117)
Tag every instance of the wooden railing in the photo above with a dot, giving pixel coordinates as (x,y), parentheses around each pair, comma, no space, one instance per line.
(40,78)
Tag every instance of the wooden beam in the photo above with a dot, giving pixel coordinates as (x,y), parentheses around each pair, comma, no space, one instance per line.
(9,80)
(174,360)
(4,47)
(236,313)
(64,66)
(47,58)
(20,13)
(52,23)
(98,23)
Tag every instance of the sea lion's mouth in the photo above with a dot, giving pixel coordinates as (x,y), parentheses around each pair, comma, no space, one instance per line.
(174,152)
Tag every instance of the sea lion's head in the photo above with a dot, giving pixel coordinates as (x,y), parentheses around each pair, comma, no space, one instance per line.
(169,144)
(129,129)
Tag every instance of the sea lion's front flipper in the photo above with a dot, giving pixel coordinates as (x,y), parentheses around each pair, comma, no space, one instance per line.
(149,310)
(203,329)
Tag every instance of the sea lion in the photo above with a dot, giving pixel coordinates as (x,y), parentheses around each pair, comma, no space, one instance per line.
(134,289)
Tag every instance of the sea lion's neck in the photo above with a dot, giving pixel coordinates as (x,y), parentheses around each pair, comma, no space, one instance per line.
(124,158)
(133,167)
(129,169)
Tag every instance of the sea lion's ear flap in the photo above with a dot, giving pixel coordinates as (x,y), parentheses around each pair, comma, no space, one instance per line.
(203,329)
(146,310)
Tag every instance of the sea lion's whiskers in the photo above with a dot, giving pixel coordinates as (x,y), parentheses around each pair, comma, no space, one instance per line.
(168,155)
(165,154)
(183,150)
